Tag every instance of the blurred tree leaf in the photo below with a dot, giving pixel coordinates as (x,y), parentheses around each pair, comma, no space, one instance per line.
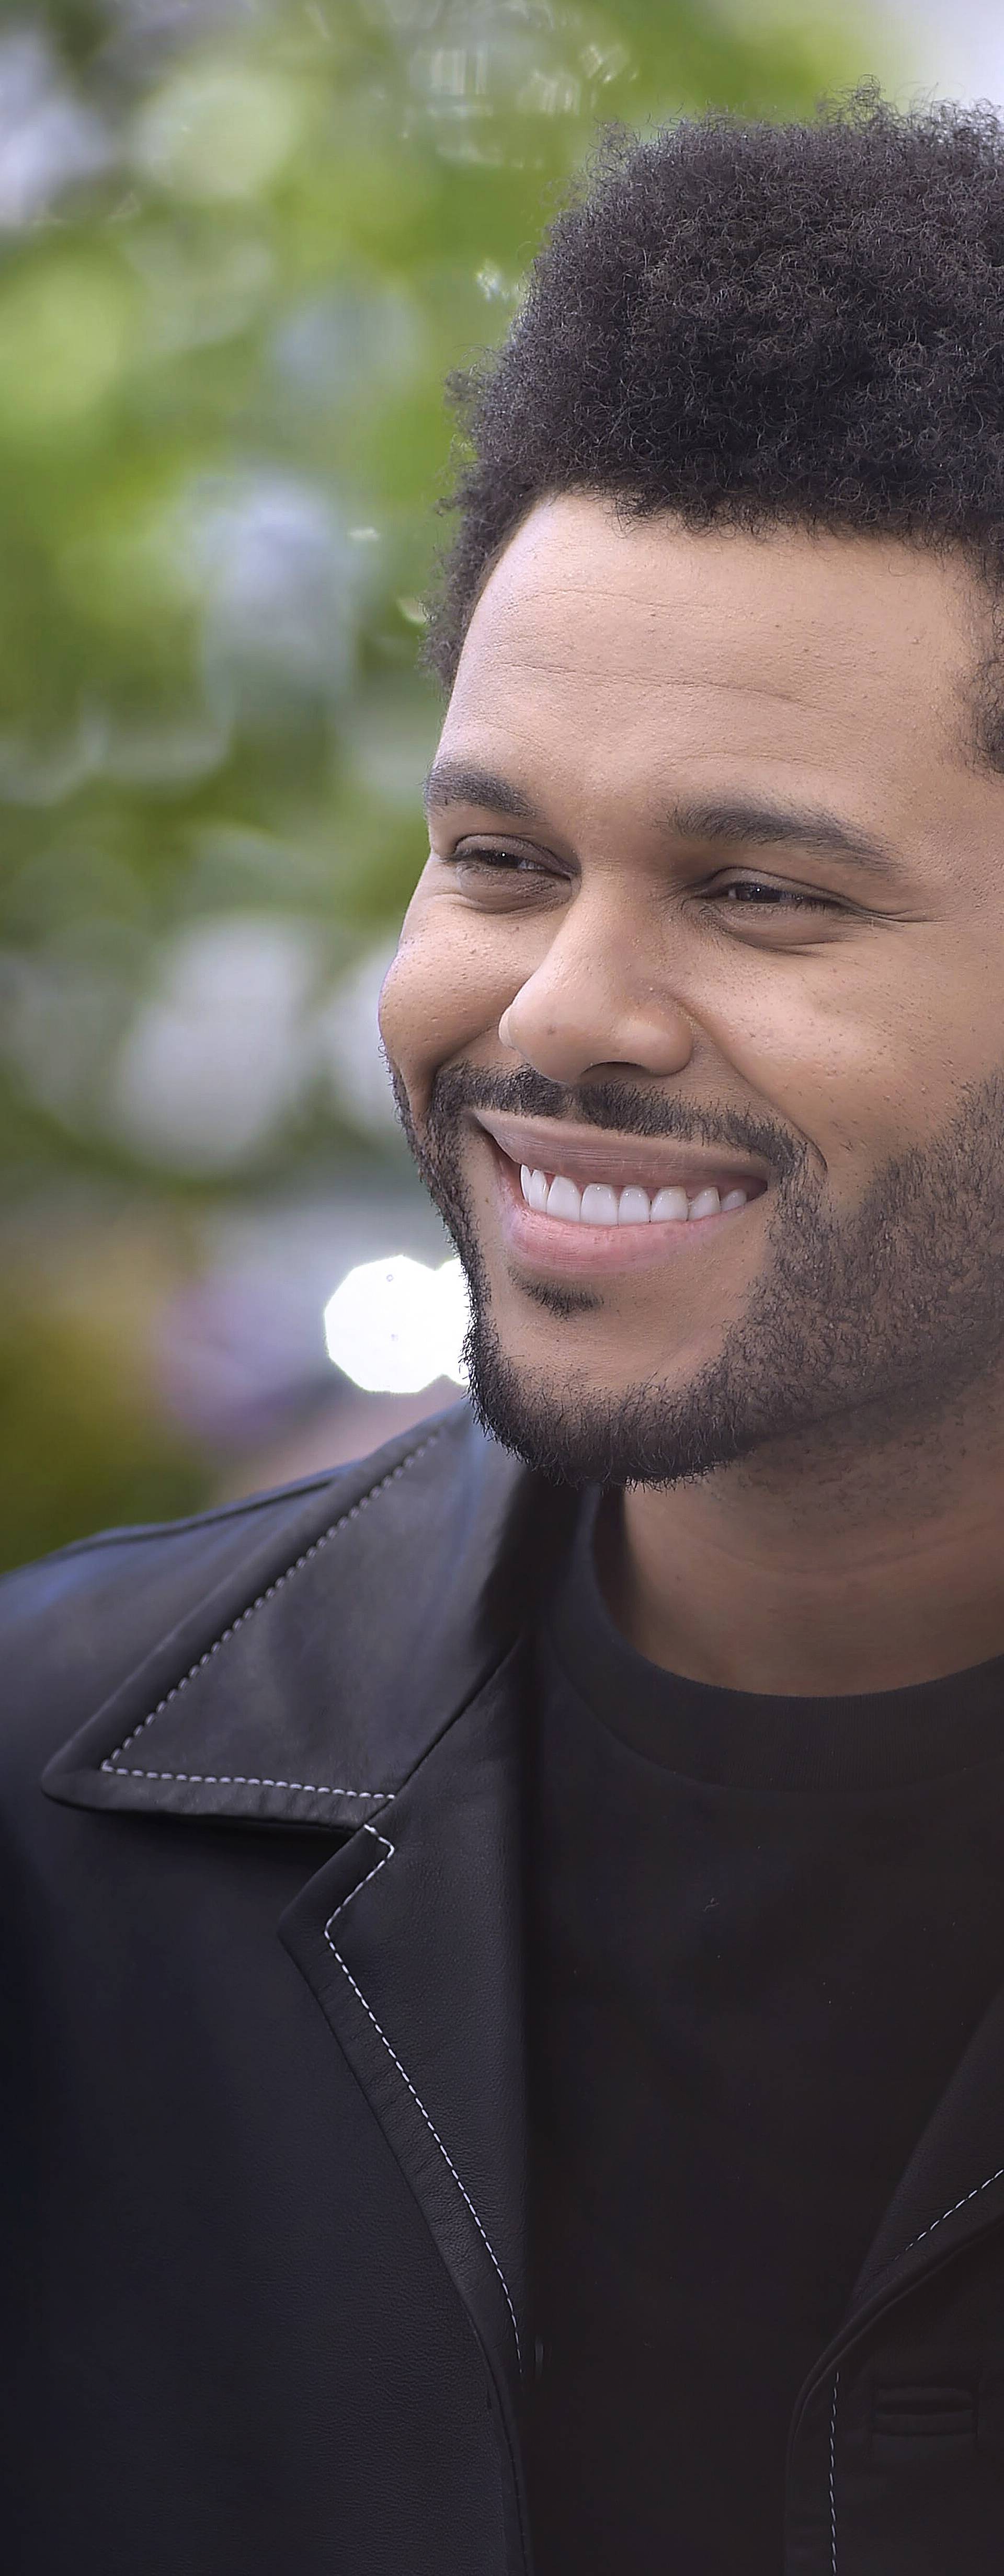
(239,250)
(81,1443)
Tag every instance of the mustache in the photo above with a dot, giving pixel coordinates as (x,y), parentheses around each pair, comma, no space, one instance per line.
(612,1105)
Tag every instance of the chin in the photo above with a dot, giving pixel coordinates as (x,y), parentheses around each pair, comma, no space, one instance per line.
(574,1430)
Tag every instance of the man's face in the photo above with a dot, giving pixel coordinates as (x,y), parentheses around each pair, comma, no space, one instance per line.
(715,898)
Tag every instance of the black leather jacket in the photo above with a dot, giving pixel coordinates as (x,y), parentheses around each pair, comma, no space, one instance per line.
(263,2134)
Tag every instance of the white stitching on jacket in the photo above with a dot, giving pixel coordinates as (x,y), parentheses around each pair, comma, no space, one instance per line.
(242,1780)
(833,2488)
(956,2205)
(907,2249)
(313,1789)
(388,1854)
(114,1760)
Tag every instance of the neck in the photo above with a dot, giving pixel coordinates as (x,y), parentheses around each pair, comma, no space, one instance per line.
(822,1576)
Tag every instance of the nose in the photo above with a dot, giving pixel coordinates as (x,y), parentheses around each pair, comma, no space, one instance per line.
(593,1002)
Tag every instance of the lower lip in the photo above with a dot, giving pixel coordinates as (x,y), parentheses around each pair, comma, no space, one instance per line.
(561,1247)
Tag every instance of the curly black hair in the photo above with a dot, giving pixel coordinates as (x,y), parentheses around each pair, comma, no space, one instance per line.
(761,324)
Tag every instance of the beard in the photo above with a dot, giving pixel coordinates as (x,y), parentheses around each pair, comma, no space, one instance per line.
(864,1330)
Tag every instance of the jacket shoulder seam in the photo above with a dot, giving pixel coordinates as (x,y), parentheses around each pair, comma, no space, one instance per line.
(132,1534)
(114,1762)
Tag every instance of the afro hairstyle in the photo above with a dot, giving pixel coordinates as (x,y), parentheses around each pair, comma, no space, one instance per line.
(760,324)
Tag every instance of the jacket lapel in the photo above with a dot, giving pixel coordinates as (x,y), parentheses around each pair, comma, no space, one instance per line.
(951,2191)
(411,1940)
(365,1668)
(953,2186)
(304,1687)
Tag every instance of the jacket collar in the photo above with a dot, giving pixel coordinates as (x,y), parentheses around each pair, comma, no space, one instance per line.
(304,1688)
(365,1669)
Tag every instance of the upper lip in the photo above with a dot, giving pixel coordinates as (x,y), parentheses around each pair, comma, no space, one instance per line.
(589,1154)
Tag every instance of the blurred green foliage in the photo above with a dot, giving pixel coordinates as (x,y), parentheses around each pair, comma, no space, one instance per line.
(240,247)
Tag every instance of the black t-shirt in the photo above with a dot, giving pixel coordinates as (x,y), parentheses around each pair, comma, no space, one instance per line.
(762,1932)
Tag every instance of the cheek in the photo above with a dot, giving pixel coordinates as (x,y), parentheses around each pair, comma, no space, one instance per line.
(857,1062)
(437,998)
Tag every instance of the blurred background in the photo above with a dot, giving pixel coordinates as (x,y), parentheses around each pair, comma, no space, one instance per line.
(241,243)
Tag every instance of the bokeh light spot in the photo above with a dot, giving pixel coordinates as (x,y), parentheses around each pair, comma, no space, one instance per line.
(394,1325)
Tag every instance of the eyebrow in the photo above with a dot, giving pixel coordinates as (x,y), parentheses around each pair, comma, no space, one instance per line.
(454,782)
(761,825)
(743,821)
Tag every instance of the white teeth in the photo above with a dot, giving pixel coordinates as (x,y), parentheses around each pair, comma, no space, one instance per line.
(669,1203)
(599,1204)
(563,1199)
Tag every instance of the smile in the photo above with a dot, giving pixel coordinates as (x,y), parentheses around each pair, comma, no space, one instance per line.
(566,1228)
(601,1203)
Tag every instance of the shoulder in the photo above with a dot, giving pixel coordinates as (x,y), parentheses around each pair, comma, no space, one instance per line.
(76,1624)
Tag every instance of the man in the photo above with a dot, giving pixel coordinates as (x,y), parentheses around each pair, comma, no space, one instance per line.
(508,1963)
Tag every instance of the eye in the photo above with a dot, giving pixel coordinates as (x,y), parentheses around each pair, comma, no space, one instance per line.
(491,859)
(753,893)
(505,865)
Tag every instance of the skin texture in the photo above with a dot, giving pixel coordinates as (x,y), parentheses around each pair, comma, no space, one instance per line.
(800,1420)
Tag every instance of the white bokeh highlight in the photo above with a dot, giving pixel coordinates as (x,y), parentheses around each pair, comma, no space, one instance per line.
(395,1325)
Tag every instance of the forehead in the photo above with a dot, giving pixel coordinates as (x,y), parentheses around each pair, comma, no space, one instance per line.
(653,644)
